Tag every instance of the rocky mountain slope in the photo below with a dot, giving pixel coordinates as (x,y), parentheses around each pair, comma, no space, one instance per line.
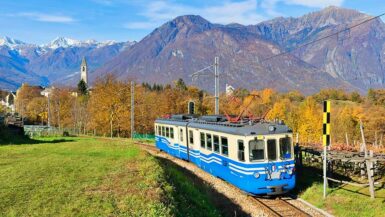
(355,56)
(352,61)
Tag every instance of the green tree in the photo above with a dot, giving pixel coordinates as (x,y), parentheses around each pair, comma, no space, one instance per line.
(180,84)
(82,88)
(355,97)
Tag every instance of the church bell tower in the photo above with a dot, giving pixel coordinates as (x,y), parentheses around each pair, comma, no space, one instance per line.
(83,70)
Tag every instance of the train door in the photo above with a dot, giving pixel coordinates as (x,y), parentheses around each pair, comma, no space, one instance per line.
(180,139)
(272,155)
(190,142)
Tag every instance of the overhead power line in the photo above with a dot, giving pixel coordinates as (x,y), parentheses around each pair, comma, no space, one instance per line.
(325,37)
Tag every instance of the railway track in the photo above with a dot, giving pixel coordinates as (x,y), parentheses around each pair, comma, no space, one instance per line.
(278,206)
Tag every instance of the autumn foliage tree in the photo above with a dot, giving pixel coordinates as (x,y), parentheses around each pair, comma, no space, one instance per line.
(106,110)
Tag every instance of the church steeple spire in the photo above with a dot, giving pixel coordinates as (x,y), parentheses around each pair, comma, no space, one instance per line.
(83,71)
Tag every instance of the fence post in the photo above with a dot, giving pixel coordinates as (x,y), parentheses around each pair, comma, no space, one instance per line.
(368,163)
(370,169)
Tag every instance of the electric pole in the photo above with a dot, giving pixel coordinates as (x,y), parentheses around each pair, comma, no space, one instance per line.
(132,109)
(216,74)
(49,112)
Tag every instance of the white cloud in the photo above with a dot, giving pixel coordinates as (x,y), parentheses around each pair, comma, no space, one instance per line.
(269,7)
(42,17)
(244,12)
(158,12)
(315,3)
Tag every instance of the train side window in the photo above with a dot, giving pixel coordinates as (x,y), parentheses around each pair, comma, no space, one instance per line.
(203,141)
(257,150)
(191,137)
(285,148)
(163,131)
(216,143)
(167,132)
(172,132)
(272,149)
(209,142)
(181,135)
(225,146)
(241,150)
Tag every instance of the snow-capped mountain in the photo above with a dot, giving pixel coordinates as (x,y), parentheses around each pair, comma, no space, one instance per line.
(10,42)
(55,62)
(62,42)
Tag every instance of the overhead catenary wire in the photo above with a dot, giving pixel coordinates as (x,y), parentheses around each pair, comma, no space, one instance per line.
(322,38)
(216,80)
(201,70)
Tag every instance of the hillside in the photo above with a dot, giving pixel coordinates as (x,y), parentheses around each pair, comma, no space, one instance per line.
(189,43)
(355,56)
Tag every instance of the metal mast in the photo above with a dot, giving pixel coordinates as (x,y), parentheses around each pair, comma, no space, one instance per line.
(216,81)
(216,74)
(49,112)
(132,109)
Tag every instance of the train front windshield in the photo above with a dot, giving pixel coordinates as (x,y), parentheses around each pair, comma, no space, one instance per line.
(257,149)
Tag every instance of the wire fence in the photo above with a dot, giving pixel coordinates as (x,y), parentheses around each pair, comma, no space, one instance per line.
(144,136)
(34,131)
(46,131)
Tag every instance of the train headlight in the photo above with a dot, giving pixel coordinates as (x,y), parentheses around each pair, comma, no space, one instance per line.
(257,175)
(289,171)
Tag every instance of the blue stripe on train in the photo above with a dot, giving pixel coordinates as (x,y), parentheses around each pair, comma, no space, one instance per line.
(237,173)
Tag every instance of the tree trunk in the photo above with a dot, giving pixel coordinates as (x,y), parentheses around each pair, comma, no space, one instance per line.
(347,139)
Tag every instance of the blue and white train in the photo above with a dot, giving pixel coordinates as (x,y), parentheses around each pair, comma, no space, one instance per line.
(257,157)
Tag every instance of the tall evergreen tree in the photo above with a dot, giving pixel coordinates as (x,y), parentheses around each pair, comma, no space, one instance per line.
(82,88)
(179,84)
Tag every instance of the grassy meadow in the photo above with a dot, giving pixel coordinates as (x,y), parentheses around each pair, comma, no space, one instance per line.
(94,177)
(342,200)
(83,176)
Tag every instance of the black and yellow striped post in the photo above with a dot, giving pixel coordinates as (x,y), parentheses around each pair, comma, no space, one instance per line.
(326,139)
(326,124)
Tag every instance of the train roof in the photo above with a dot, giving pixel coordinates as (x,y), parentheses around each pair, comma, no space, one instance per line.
(220,124)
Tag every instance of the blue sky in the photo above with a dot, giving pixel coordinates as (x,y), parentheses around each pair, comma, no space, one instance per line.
(40,21)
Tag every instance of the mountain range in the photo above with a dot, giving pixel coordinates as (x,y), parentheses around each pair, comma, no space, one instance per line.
(353,59)
(55,63)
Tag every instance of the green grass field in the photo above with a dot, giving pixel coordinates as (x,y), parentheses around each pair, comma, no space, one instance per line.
(94,177)
(342,200)
(70,176)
